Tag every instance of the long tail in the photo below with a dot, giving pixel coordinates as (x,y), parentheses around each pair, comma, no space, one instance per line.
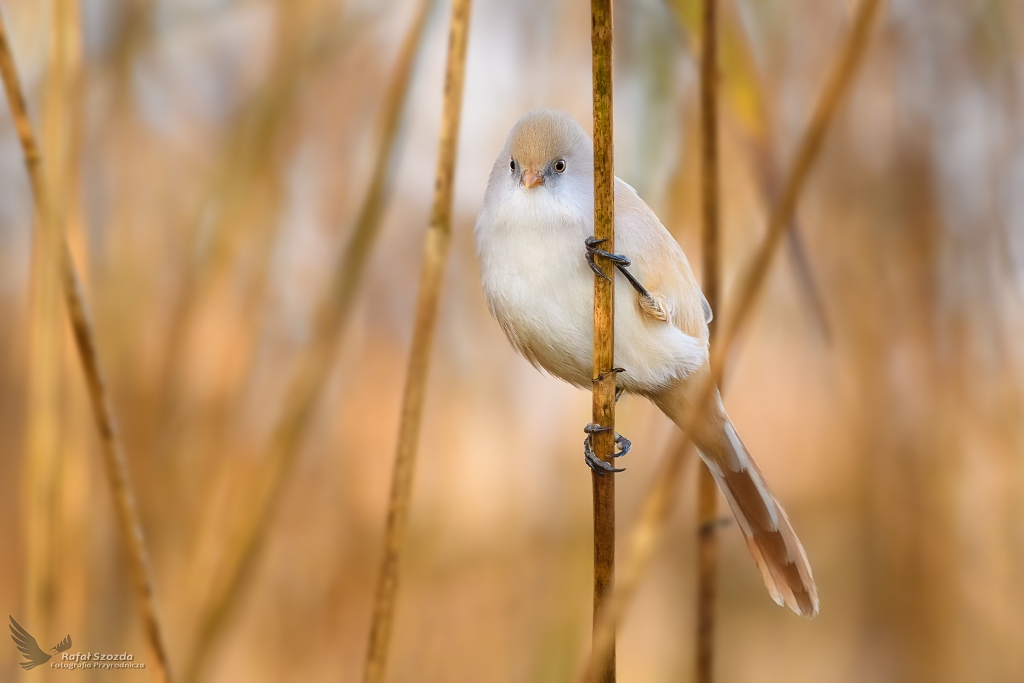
(770,537)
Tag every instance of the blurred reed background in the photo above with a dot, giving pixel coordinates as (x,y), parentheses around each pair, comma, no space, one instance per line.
(211,159)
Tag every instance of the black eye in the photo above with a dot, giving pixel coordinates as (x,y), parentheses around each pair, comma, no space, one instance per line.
(512,165)
(560,165)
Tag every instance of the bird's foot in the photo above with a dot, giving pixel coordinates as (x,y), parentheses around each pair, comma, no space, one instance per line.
(619,260)
(592,251)
(595,463)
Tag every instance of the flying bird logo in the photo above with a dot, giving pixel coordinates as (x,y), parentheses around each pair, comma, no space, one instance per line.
(30,648)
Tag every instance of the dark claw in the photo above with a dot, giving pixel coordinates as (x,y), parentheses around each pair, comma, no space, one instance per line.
(619,260)
(592,243)
(594,267)
(605,374)
(595,463)
(623,444)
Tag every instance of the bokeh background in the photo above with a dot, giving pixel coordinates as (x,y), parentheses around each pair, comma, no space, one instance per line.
(210,158)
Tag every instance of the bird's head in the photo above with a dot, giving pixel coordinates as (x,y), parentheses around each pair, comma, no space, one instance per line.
(547,149)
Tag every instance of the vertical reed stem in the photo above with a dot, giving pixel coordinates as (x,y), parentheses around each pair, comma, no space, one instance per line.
(707,496)
(435,257)
(647,532)
(331,318)
(43,442)
(604,320)
(749,284)
(113,454)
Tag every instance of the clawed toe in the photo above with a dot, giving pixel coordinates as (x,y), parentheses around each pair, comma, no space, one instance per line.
(619,260)
(595,463)
(623,444)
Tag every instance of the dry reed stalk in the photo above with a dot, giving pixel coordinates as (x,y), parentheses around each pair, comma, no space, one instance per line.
(751,280)
(43,469)
(649,528)
(435,257)
(248,164)
(313,368)
(77,482)
(767,168)
(643,541)
(71,23)
(603,442)
(707,489)
(43,443)
(741,88)
(117,470)
(752,109)
(67,109)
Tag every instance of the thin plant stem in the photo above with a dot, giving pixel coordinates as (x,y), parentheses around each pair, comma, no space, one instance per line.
(740,86)
(56,246)
(647,531)
(707,489)
(247,198)
(332,315)
(435,257)
(752,279)
(43,434)
(643,541)
(604,322)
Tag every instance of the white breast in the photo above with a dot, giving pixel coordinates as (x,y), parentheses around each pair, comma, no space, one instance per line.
(541,291)
(538,285)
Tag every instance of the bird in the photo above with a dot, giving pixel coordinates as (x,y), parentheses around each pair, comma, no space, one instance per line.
(30,648)
(536,249)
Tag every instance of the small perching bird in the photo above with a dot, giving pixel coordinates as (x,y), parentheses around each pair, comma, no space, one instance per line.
(535,242)
(28,646)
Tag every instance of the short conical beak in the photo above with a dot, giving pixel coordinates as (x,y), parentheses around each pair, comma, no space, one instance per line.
(532,179)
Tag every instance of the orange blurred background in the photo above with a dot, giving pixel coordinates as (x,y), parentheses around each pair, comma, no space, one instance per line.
(210,158)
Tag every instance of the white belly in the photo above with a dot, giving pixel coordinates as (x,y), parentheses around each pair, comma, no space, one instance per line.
(543,300)
(541,291)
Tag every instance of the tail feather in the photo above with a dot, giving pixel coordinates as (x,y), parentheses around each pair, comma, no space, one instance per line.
(770,537)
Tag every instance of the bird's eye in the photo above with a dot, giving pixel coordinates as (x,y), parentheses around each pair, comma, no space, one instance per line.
(560,165)
(512,165)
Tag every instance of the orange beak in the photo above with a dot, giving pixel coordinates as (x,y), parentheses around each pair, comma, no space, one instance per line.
(532,179)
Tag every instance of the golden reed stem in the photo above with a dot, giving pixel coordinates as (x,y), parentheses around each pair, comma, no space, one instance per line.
(56,246)
(648,529)
(434,259)
(333,312)
(707,490)
(604,322)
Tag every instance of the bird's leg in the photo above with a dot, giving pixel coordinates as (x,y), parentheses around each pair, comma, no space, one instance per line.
(595,463)
(621,262)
